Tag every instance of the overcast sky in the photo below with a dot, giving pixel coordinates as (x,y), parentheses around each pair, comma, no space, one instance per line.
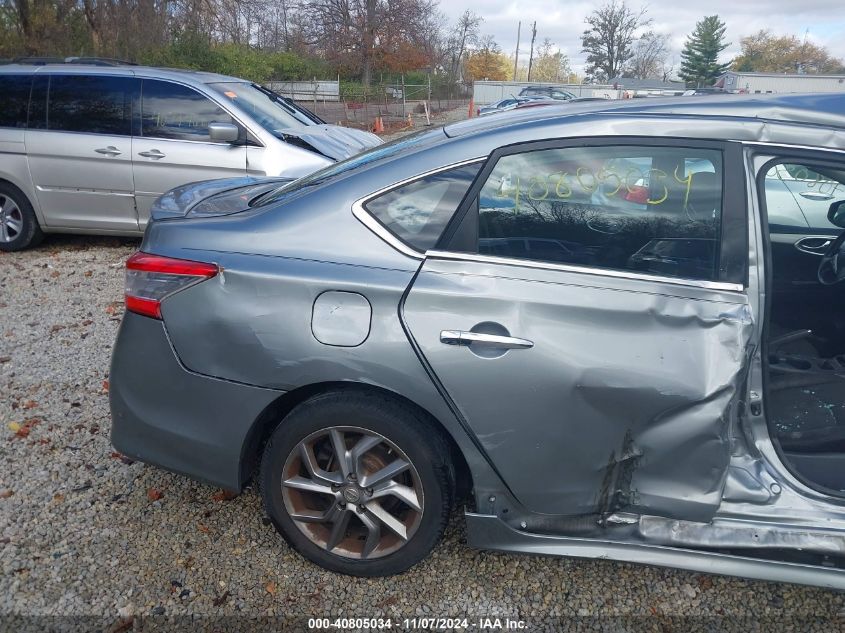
(563,22)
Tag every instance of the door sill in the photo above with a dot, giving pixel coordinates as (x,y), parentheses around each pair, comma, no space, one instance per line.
(489,532)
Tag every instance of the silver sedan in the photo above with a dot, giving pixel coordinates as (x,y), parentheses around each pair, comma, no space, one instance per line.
(612,330)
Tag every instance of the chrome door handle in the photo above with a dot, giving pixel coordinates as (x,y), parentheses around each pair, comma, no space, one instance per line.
(111,150)
(814,245)
(460,337)
(815,195)
(153,153)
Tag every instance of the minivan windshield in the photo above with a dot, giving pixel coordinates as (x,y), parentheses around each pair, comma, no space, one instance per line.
(350,164)
(273,112)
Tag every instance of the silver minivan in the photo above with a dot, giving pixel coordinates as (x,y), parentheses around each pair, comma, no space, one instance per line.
(88,148)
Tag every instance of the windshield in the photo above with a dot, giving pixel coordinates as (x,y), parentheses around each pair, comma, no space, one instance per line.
(345,166)
(273,112)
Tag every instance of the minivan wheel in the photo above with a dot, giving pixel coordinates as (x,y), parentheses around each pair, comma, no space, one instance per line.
(358,483)
(19,227)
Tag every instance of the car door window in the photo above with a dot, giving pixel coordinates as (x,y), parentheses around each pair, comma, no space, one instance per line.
(174,111)
(799,196)
(15,101)
(418,212)
(95,104)
(654,210)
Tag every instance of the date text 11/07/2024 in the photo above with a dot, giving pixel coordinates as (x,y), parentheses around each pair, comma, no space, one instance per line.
(417,624)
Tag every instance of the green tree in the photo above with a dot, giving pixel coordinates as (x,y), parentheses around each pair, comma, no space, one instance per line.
(551,63)
(700,58)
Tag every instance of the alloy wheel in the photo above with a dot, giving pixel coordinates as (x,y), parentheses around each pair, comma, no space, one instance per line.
(11,219)
(352,492)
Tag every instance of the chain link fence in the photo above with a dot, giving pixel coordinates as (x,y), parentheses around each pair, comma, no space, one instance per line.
(395,106)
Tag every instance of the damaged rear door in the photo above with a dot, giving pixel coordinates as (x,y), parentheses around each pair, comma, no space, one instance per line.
(586,314)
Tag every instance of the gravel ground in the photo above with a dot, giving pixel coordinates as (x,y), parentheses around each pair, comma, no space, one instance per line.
(84,532)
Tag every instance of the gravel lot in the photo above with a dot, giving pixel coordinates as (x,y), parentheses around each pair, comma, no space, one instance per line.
(83,531)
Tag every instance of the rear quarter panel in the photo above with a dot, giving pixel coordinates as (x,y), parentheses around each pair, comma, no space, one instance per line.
(252,324)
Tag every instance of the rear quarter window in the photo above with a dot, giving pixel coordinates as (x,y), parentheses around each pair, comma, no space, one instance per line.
(418,212)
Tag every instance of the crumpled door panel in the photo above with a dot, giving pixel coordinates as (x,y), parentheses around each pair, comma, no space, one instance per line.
(624,401)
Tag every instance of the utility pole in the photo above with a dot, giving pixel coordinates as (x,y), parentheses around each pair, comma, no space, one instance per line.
(801,64)
(516,56)
(531,58)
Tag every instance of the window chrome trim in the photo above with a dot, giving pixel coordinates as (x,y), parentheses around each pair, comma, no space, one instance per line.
(370,221)
(788,146)
(381,231)
(603,272)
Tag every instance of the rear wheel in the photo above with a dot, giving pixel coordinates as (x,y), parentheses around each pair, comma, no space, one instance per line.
(19,227)
(358,483)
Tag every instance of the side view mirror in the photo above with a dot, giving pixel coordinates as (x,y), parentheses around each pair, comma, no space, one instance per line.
(836,214)
(223,132)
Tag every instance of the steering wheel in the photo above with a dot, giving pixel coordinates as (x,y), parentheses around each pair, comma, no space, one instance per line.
(832,266)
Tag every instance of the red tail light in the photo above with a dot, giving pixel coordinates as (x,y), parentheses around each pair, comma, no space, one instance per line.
(150,279)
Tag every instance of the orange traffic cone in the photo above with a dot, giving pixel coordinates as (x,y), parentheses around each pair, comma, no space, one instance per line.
(471,107)
(379,126)
(410,120)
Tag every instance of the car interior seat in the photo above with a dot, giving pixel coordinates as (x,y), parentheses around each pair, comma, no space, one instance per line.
(806,407)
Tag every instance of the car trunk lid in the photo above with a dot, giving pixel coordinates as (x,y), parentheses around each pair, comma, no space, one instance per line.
(212,197)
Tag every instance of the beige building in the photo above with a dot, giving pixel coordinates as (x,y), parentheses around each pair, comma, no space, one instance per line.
(755,83)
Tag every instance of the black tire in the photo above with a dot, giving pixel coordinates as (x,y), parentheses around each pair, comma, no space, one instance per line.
(401,425)
(30,233)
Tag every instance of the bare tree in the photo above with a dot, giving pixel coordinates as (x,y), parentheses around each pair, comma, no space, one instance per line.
(464,35)
(648,56)
(40,28)
(609,39)
(354,38)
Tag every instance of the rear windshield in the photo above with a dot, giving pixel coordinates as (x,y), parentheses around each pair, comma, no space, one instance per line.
(349,165)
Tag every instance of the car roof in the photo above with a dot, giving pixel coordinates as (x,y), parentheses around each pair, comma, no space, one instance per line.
(546,89)
(818,110)
(187,76)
